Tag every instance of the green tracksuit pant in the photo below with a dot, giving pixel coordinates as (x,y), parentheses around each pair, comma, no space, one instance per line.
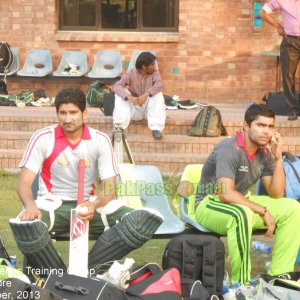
(238,221)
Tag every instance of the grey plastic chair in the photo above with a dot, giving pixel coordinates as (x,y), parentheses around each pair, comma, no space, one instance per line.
(107,64)
(152,193)
(77,58)
(135,55)
(15,65)
(38,63)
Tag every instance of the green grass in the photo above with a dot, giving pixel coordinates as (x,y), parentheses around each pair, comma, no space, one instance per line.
(152,251)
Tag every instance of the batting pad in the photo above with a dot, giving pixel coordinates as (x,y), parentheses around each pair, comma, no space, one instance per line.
(134,229)
(35,243)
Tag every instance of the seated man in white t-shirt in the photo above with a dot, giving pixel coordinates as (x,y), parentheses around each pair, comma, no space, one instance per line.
(53,153)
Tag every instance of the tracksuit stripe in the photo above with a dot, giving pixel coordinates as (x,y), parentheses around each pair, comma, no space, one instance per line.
(242,236)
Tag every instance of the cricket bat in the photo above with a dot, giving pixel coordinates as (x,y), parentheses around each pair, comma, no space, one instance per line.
(79,232)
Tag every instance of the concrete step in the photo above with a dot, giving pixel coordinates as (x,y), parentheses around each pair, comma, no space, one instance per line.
(31,119)
(178,144)
(167,163)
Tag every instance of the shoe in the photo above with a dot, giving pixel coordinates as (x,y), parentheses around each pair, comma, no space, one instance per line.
(156,134)
(187,104)
(292,115)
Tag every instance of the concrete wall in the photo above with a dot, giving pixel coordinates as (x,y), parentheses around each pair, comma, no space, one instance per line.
(216,53)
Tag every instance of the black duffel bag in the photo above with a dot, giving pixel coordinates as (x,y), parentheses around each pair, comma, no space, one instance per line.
(73,287)
(276,101)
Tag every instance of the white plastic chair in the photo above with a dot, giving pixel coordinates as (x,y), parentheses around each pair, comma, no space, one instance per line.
(149,184)
(107,64)
(38,63)
(77,58)
(15,65)
(135,55)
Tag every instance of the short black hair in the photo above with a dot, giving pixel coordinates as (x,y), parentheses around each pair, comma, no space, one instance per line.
(256,110)
(145,58)
(70,95)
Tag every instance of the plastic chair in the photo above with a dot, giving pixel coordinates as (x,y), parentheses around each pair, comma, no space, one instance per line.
(191,174)
(38,63)
(135,55)
(149,185)
(76,58)
(15,65)
(107,64)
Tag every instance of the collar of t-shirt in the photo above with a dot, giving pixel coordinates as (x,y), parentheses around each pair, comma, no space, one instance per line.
(242,144)
(59,133)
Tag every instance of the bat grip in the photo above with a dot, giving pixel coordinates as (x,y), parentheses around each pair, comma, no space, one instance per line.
(80,192)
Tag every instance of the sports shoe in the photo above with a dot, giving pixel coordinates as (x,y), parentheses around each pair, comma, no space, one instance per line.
(170,103)
(156,134)
(187,104)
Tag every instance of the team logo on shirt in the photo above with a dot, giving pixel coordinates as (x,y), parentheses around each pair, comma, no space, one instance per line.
(243,169)
(61,160)
(86,162)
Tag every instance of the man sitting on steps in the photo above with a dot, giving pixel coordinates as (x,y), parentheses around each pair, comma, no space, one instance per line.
(138,96)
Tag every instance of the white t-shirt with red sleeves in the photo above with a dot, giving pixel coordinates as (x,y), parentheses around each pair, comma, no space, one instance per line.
(50,154)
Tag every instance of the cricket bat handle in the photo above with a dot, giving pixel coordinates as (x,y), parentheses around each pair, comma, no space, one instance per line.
(81,171)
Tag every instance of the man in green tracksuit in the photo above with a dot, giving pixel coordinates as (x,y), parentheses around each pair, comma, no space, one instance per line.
(224,205)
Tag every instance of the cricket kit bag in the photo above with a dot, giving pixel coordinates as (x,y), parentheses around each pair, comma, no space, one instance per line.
(150,283)
(291,165)
(72,287)
(197,257)
(6,57)
(277,102)
(208,122)
(14,288)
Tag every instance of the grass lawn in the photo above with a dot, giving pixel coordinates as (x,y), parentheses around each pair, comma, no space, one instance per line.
(152,251)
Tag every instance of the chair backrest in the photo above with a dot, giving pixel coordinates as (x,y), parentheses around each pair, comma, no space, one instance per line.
(260,188)
(135,55)
(191,175)
(75,59)
(107,64)
(150,186)
(15,65)
(38,63)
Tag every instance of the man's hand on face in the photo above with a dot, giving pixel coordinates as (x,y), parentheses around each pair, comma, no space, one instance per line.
(276,145)
(31,214)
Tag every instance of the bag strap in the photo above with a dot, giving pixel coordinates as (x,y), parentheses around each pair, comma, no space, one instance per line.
(293,168)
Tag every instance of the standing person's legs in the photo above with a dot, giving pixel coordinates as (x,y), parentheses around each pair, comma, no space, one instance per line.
(155,112)
(286,212)
(235,221)
(289,56)
(125,111)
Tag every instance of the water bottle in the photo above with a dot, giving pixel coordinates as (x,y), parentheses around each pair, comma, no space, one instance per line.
(267,265)
(259,246)
(226,283)
(13,261)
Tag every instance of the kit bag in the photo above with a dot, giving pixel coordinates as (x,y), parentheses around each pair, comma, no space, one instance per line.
(197,257)
(3,251)
(96,97)
(72,287)
(277,102)
(151,283)
(14,288)
(208,122)
(6,57)
(291,165)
